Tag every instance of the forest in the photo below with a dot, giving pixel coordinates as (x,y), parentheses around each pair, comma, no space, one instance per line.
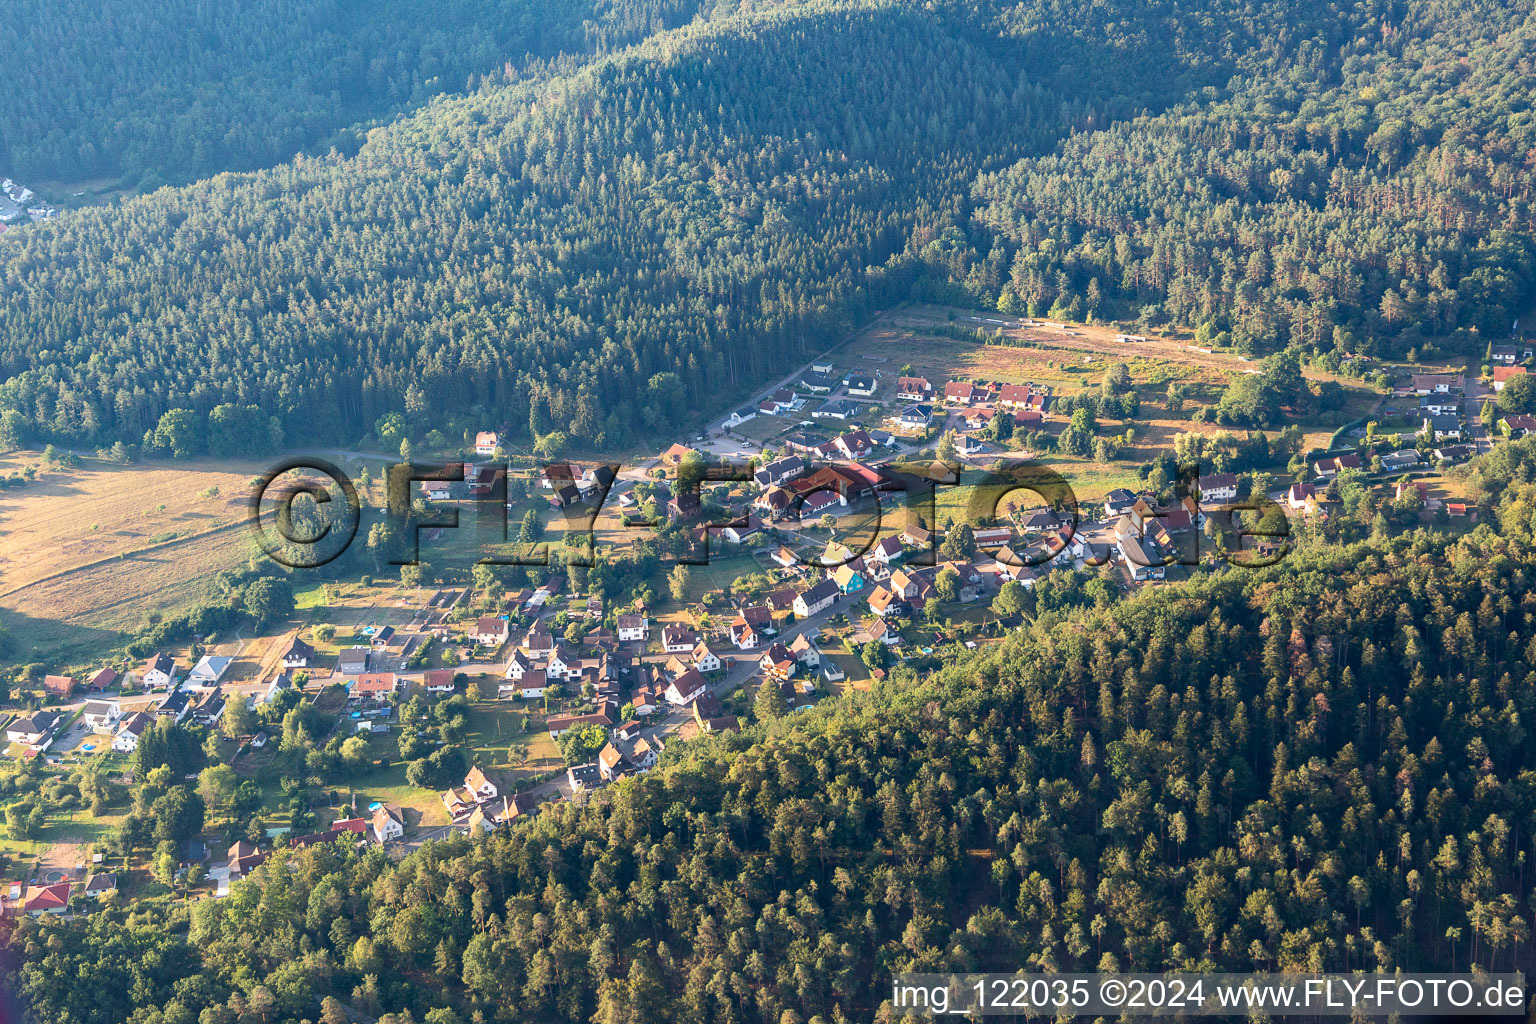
(615,243)
(183,89)
(1319,765)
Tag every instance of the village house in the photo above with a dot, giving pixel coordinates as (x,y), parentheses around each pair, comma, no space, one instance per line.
(491,631)
(743,634)
(564,663)
(518,665)
(127,739)
(612,764)
(1503,354)
(101,883)
(583,777)
(158,673)
(777,662)
(883,601)
(351,661)
(46,899)
(486,442)
(1118,502)
(374,687)
(559,725)
(208,671)
(59,686)
(1453,453)
(741,531)
(915,536)
(742,415)
(1442,428)
(1140,555)
(775,502)
(677,453)
(848,578)
(1504,374)
(678,638)
(175,706)
(913,389)
(805,651)
(683,506)
(816,599)
(529,686)
(706,660)
(887,551)
(633,628)
(860,383)
(685,688)
(33,729)
(1021,398)
(243,858)
(964,393)
(1438,405)
(558,475)
(838,409)
(101,716)
(210,710)
(438,681)
(280,684)
(505,810)
(912,418)
(1301,497)
(1435,383)
(1218,488)
(480,785)
(778,471)
(1331,467)
(854,445)
(1517,425)
(103,679)
(992,536)
(296,654)
(387,825)
(539,643)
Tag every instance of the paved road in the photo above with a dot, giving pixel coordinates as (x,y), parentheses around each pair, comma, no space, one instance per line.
(1474,389)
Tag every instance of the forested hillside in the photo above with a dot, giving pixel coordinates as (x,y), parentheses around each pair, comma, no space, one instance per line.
(181,89)
(606,250)
(1318,766)
(1379,185)
(610,248)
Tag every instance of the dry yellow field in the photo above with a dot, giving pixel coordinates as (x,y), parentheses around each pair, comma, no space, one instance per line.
(88,551)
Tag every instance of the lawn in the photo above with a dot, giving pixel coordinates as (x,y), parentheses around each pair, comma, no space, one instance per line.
(495,727)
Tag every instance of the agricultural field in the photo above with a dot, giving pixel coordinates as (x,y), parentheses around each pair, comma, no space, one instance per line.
(87,551)
(1069,362)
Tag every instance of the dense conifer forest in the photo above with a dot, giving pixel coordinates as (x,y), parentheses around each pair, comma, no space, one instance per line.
(1319,766)
(182,89)
(612,245)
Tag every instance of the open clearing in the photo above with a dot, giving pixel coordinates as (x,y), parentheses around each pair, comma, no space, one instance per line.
(92,549)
